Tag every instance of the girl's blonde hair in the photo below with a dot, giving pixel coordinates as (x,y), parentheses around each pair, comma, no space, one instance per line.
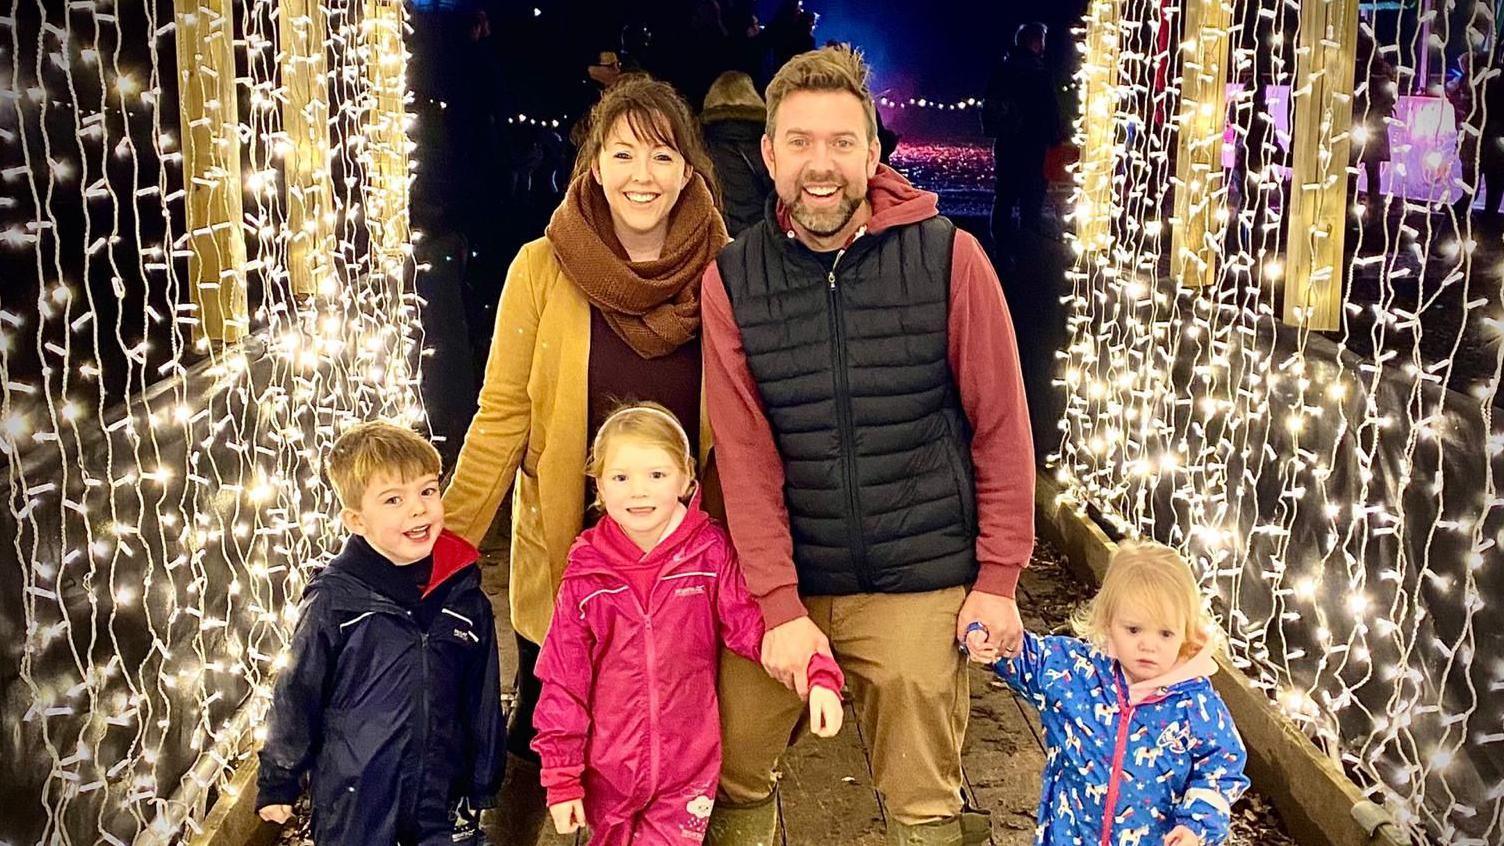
(1156,581)
(645,422)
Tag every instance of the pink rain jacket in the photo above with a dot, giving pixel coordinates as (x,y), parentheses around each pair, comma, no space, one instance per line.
(628,712)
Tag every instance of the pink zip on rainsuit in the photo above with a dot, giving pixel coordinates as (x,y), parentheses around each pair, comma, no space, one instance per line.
(628,716)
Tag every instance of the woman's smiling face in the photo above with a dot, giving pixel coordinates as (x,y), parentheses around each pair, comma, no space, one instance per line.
(641,178)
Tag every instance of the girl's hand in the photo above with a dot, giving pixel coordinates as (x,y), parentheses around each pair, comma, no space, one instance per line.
(1182,836)
(568,816)
(278,814)
(825,712)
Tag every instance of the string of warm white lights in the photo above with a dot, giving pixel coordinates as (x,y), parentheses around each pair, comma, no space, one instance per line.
(1336,490)
(932,103)
(929,103)
(165,492)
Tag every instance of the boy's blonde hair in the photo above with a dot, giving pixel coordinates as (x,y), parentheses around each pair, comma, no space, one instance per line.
(1154,578)
(836,68)
(645,422)
(369,449)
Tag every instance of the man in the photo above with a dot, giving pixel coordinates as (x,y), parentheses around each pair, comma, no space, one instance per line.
(863,383)
(1021,114)
(599,75)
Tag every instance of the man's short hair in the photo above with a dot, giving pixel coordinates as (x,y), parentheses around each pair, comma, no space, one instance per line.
(837,68)
(366,450)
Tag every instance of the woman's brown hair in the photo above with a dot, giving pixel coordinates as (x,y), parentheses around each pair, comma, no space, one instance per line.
(655,112)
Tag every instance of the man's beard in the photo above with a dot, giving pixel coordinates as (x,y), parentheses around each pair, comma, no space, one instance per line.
(823,224)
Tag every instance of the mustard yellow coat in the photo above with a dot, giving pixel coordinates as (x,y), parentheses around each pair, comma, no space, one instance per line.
(531,430)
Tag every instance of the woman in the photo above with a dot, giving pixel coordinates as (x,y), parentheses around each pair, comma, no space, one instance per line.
(735,118)
(603,308)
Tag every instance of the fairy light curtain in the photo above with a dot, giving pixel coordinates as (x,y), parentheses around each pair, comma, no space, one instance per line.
(205,274)
(1335,485)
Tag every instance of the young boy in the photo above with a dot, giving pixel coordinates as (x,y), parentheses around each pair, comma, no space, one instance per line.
(391,699)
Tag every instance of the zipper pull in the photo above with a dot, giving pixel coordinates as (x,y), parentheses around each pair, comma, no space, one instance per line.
(832,278)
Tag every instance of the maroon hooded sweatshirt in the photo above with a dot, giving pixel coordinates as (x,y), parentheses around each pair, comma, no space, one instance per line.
(983,358)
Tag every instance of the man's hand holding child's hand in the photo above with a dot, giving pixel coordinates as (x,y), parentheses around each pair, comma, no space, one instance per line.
(568,816)
(977,647)
(1182,836)
(1001,625)
(825,712)
(787,648)
(278,814)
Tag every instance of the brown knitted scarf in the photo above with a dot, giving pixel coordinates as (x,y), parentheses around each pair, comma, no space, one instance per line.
(654,306)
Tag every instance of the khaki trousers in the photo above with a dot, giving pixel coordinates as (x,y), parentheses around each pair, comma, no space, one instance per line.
(909,687)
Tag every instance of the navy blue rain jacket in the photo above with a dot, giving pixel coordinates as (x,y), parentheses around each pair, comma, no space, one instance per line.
(393,710)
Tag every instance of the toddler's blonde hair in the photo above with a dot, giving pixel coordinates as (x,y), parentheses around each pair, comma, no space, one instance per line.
(647,423)
(1155,580)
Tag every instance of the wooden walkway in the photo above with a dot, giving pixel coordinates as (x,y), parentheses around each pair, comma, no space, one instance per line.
(826,792)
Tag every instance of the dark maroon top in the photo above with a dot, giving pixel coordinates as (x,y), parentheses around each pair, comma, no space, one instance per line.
(617,374)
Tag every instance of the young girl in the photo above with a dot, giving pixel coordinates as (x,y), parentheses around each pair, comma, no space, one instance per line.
(1141,750)
(628,727)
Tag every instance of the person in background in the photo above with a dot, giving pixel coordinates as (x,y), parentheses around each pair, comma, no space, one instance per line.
(1464,89)
(1491,154)
(604,307)
(1022,115)
(734,119)
(1371,112)
(790,32)
(602,73)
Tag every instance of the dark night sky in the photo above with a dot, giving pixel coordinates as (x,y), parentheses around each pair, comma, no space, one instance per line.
(920,49)
(941,49)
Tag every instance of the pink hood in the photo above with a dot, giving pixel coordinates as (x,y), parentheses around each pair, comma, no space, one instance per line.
(603,548)
(1201,665)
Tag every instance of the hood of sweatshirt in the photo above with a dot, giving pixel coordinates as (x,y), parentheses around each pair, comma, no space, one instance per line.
(1202,665)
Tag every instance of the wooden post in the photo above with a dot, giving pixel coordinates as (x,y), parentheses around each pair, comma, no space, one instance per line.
(1200,181)
(1323,104)
(303,29)
(385,159)
(211,167)
(1093,212)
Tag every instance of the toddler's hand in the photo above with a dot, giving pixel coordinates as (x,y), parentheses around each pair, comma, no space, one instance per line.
(568,816)
(976,647)
(1182,836)
(278,814)
(825,712)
